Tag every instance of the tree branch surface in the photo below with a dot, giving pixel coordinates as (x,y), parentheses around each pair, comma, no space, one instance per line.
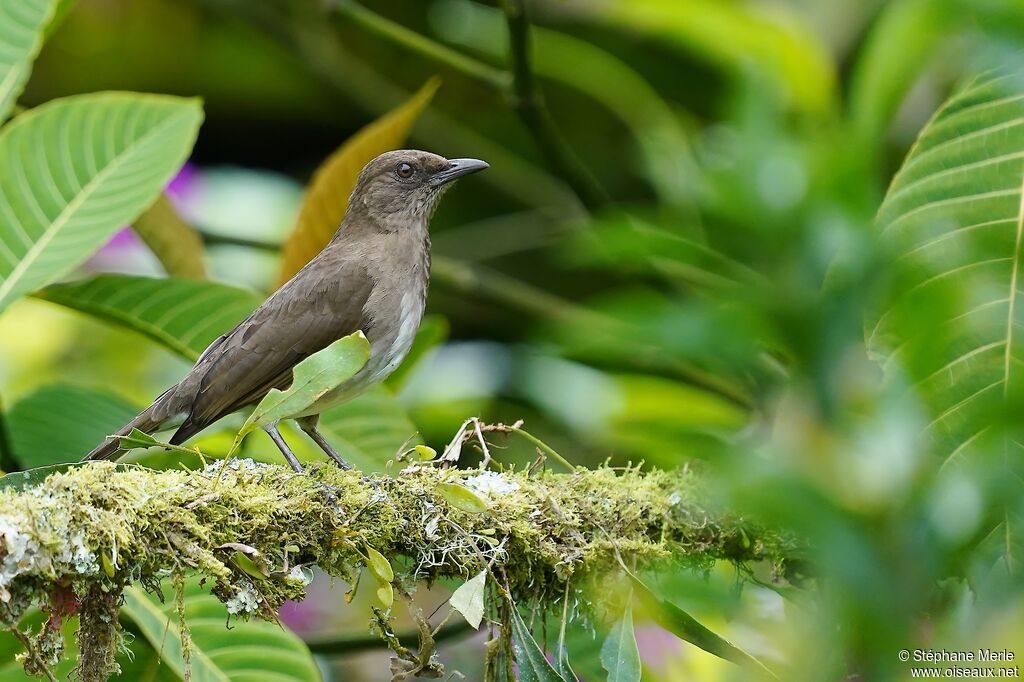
(97,528)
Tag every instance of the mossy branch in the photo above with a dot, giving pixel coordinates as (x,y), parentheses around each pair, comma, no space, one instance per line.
(99,527)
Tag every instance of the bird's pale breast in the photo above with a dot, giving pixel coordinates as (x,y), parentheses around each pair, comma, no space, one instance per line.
(391,336)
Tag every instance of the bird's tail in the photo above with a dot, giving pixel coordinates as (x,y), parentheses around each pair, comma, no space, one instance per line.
(149,421)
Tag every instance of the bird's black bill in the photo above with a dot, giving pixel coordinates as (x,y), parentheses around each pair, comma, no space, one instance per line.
(456,169)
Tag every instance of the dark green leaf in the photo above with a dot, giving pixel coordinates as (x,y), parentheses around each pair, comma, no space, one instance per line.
(533,664)
(61,422)
(184,315)
(19,480)
(562,664)
(686,627)
(619,654)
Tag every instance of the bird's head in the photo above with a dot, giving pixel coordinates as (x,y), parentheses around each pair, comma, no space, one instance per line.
(403,185)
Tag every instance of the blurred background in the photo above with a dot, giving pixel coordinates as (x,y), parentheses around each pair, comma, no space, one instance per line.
(683,275)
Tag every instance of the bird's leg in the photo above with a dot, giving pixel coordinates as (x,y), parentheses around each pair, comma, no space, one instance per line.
(275,436)
(308,424)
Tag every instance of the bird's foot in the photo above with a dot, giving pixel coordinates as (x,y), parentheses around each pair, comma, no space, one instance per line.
(308,425)
(339,460)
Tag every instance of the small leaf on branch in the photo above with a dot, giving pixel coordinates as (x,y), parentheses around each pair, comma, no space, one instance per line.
(468,599)
(379,565)
(108,565)
(139,439)
(256,570)
(461,497)
(425,452)
(385,595)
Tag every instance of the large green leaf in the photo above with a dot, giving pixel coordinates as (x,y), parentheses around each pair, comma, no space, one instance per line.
(75,170)
(737,37)
(314,377)
(689,629)
(953,218)
(251,650)
(904,37)
(183,315)
(21,35)
(60,423)
(954,221)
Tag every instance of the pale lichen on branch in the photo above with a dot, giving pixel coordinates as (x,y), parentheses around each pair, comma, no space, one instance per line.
(97,528)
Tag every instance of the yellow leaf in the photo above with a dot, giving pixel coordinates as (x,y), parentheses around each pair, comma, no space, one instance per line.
(425,452)
(327,195)
(172,240)
(461,497)
(386,595)
(379,565)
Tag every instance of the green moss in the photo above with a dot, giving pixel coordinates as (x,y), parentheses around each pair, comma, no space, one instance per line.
(98,527)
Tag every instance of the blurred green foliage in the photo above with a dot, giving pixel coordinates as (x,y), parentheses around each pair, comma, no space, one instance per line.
(715,308)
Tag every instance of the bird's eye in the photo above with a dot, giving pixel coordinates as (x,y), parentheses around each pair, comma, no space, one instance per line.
(404,170)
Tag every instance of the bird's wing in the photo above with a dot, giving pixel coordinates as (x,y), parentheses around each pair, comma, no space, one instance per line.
(305,316)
